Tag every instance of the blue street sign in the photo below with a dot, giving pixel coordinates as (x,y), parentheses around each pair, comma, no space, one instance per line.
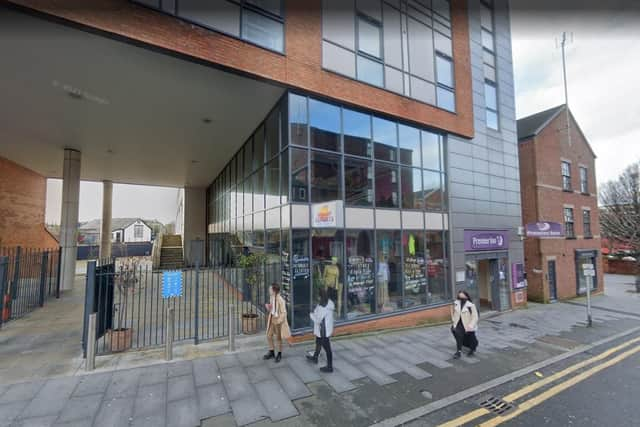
(171,284)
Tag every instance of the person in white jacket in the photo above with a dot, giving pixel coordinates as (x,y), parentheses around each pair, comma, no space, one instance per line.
(322,318)
(464,324)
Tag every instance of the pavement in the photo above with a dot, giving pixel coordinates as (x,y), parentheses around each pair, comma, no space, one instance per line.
(379,377)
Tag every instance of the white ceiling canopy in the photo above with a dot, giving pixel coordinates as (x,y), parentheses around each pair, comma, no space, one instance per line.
(137,116)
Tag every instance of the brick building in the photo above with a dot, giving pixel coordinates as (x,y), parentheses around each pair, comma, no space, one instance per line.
(558,185)
(368,146)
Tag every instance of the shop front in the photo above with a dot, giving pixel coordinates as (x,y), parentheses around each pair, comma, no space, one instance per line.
(344,200)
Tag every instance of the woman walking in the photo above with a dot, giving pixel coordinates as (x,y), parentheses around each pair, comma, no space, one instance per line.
(277,325)
(464,319)
(322,318)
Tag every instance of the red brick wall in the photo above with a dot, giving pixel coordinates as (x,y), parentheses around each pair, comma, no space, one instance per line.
(22,205)
(543,199)
(300,67)
(618,266)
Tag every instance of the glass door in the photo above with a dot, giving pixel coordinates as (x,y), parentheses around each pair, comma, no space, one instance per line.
(551,276)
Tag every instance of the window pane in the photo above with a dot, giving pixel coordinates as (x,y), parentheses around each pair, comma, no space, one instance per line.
(248,195)
(258,190)
(411,181)
(360,273)
(300,278)
(409,139)
(421,50)
(431,150)
(298,117)
(272,187)
(248,158)
(386,185)
(369,38)
(489,72)
(446,99)
(299,175)
(432,191)
(389,272)
(358,182)
(325,125)
(326,182)
(490,96)
(327,249)
(357,133)
(370,71)
(273,133)
(414,268)
(444,68)
(284,177)
(271,6)
(488,58)
(492,120)
(487,40)
(486,17)
(262,31)
(385,138)
(436,268)
(258,148)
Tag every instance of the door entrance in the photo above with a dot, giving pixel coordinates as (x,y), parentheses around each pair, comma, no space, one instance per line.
(551,275)
(488,283)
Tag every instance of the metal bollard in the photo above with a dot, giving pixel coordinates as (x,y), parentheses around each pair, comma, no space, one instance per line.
(168,339)
(91,343)
(232,328)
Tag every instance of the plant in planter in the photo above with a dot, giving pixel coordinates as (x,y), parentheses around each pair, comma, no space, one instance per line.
(125,281)
(253,266)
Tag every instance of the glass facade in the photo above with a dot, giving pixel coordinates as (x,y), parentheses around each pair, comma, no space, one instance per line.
(297,188)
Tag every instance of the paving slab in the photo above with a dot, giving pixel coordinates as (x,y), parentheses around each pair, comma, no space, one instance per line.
(21,392)
(123,384)
(51,398)
(157,420)
(259,373)
(236,383)
(150,400)
(81,409)
(376,374)
(115,412)
(347,369)
(251,358)
(294,387)
(306,371)
(47,421)
(383,365)
(92,384)
(275,401)
(10,411)
(183,413)
(338,382)
(206,371)
(227,361)
(247,410)
(179,369)
(154,375)
(179,388)
(212,401)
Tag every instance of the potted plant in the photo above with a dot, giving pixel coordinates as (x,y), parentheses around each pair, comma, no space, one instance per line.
(253,266)
(125,281)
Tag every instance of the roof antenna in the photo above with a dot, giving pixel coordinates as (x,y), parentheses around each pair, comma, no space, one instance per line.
(563,44)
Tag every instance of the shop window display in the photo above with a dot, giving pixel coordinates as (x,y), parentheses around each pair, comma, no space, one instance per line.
(389,271)
(360,273)
(327,247)
(414,268)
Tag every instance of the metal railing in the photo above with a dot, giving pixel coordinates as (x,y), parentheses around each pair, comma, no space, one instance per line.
(131,312)
(28,277)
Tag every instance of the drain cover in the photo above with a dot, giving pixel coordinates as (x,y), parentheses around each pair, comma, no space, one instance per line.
(495,405)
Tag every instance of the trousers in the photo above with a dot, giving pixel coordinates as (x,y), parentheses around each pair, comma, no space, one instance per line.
(275,332)
(326,345)
(464,338)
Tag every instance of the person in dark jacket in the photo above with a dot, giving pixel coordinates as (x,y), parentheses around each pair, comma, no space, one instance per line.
(322,318)
(464,324)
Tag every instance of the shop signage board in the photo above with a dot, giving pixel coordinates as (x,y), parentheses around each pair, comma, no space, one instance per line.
(589,270)
(172,284)
(486,240)
(327,215)
(544,229)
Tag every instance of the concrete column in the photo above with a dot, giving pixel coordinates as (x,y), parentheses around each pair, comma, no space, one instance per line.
(69,217)
(195,221)
(105,235)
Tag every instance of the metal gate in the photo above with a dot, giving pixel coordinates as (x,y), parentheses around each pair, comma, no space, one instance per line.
(28,277)
(131,311)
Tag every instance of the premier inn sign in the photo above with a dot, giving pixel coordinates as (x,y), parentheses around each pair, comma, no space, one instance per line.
(544,229)
(486,240)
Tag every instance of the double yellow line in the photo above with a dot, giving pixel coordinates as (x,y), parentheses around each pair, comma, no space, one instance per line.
(528,404)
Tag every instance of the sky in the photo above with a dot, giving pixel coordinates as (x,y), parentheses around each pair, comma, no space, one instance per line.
(603,74)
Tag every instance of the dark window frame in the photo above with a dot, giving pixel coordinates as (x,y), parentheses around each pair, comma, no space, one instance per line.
(569,223)
(566,177)
(586,223)
(584,180)
(358,16)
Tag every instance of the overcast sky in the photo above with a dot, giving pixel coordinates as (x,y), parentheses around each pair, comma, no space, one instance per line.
(603,67)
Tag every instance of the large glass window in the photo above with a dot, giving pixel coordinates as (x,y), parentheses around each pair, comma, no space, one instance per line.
(326,177)
(298,119)
(360,273)
(409,138)
(370,71)
(258,148)
(569,223)
(248,158)
(389,271)
(386,185)
(272,185)
(258,190)
(273,133)
(248,195)
(327,251)
(284,177)
(385,137)
(436,268)
(411,182)
(300,275)
(414,268)
(357,133)
(262,30)
(299,175)
(325,125)
(369,37)
(431,150)
(444,69)
(358,182)
(433,194)
(491,102)
(584,180)
(586,223)
(566,176)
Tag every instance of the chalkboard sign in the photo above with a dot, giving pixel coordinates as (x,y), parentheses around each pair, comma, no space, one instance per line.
(360,276)
(414,273)
(286,276)
(300,267)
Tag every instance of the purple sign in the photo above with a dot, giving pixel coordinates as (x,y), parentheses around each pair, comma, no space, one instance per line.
(486,240)
(544,229)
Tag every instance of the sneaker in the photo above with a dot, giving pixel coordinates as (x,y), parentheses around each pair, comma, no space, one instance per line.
(457,355)
(326,369)
(312,359)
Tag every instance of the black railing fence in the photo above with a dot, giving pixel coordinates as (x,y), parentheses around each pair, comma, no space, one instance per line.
(131,312)
(28,277)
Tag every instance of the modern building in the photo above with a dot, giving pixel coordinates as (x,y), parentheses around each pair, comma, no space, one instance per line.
(367,146)
(559,206)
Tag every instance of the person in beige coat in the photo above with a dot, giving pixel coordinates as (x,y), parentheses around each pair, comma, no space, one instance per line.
(464,324)
(277,324)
